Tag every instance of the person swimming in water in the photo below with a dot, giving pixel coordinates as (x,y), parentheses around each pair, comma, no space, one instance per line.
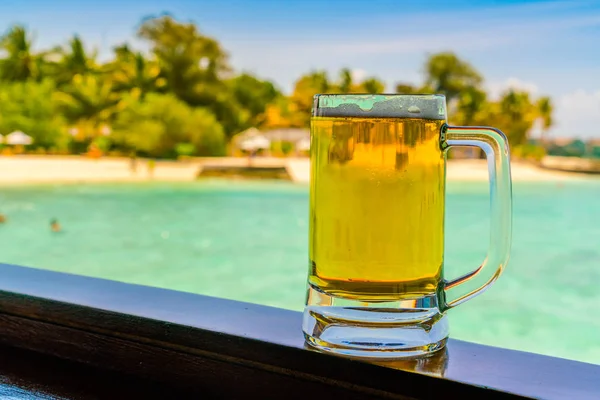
(54,225)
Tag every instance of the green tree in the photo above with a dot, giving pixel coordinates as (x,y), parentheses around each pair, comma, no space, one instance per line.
(471,108)
(283,113)
(19,63)
(514,114)
(231,115)
(73,60)
(406,88)
(160,124)
(29,107)
(195,69)
(305,89)
(346,84)
(131,72)
(253,95)
(447,74)
(88,102)
(545,110)
(191,63)
(372,85)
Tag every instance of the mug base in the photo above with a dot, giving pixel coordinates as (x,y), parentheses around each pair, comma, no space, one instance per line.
(390,330)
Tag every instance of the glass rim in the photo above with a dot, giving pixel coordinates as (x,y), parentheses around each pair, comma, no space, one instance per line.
(382,95)
(396,105)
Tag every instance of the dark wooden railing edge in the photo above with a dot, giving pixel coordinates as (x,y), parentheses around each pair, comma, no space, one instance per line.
(212,344)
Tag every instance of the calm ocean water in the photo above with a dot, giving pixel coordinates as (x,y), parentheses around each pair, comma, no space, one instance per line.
(248,241)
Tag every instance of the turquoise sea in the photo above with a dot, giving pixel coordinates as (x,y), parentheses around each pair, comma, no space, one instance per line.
(248,241)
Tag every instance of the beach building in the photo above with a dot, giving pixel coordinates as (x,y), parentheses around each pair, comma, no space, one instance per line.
(281,141)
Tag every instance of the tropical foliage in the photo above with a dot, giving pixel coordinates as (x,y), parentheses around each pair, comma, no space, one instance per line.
(183,98)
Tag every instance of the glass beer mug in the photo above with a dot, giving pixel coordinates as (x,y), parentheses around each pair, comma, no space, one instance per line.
(376,285)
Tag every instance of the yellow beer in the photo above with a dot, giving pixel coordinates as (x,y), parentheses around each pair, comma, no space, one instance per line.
(376,207)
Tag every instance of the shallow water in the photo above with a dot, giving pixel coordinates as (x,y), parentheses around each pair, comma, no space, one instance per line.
(248,241)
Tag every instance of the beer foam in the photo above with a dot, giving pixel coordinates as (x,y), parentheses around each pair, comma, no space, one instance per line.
(426,106)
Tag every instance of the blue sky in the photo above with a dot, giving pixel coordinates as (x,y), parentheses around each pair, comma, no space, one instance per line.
(550,48)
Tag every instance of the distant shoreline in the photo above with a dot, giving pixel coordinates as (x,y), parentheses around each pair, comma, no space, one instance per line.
(34,169)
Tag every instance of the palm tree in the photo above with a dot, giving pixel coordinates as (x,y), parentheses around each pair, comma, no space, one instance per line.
(89,101)
(132,72)
(345,81)
(447,74)
(19,63)
(545,109)
(517,114)
(74,60)
(406,88)
(373,85)
(469,107)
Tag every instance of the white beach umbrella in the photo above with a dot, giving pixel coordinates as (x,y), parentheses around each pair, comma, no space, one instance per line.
(255,143)
(17,138)
(303,144)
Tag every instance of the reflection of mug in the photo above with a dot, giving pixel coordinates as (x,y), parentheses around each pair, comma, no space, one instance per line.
(375,285)
(434,364)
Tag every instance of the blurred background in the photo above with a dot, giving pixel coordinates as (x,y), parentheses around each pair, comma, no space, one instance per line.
(166,143)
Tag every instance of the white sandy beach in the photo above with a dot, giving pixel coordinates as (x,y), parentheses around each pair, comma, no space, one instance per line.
(72,169)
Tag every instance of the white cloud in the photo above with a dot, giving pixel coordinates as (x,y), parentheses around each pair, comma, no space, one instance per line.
(495,89)
(577,114)
(584,102)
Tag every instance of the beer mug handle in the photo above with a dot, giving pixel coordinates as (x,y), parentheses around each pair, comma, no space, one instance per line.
(495,145)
